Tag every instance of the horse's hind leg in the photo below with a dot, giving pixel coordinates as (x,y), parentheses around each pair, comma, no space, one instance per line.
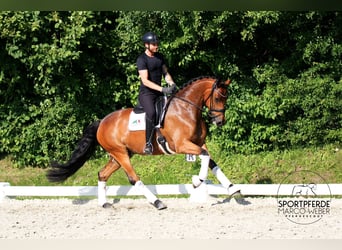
(125,162)
(103,176)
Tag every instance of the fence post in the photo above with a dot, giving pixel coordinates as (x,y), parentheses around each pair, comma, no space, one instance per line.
(2,190)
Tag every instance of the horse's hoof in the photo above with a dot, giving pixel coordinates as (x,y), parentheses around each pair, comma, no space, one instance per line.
(107,205)
(159,205)
(234,191)
(196,181)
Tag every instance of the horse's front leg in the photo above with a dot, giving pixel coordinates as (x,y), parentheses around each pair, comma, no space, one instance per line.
(203,173)
(226,183)
(207,162)
(188,147)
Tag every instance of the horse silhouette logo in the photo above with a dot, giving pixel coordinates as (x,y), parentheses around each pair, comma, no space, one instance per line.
(304,190)
(306,200)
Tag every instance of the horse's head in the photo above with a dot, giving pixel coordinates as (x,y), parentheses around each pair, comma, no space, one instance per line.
(208,91)
(216,101)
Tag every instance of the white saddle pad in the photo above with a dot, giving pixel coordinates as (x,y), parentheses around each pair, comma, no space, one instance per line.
(136,121)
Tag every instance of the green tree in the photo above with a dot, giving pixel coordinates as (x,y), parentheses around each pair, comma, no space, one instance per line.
(60,71)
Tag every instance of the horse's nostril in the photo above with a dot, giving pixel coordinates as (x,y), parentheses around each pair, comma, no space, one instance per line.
(220,123)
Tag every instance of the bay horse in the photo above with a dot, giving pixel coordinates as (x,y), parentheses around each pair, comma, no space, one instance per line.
(183,128)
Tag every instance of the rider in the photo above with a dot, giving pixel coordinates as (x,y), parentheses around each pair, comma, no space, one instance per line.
(151,67)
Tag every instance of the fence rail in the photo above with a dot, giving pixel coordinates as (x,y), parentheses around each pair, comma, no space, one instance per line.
(6,190)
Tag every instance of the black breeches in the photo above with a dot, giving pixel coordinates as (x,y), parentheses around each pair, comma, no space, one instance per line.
(148,103)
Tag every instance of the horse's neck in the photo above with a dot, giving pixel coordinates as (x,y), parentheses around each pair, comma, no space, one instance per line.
(194,93)
(191,99)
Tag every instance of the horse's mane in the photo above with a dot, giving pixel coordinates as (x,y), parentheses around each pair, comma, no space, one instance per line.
(194,80)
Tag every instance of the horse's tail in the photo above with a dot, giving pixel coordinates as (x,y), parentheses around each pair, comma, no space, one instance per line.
(84,149)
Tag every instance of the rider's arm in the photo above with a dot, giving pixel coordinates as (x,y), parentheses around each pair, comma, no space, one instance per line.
(143,74)
(167,76)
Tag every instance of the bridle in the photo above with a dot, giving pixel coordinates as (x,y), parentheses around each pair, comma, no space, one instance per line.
(211,109)
(211,105)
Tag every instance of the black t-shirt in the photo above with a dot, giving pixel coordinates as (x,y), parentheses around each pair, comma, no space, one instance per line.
(154,66)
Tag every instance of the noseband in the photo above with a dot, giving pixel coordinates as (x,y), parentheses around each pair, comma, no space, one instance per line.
(211,109)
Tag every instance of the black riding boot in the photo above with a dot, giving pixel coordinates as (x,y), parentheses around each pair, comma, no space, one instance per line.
(149,135)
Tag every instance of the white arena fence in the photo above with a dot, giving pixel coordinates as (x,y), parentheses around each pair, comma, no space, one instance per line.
(6,190)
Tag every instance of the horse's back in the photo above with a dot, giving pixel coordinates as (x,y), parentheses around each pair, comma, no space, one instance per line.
(118,114)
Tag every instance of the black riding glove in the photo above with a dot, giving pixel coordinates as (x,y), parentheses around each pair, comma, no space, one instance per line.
(169,90)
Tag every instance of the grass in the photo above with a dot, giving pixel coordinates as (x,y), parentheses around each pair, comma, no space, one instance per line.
(265,167)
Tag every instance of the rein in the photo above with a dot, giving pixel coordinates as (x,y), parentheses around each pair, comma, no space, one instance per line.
(185,100)
(211,101)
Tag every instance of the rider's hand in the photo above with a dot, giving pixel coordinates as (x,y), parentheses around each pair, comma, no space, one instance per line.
(169,90)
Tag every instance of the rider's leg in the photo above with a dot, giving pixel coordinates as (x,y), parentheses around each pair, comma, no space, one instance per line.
(147,101)
(149,136)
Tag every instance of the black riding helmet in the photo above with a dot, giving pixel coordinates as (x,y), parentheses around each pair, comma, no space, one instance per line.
(150,37)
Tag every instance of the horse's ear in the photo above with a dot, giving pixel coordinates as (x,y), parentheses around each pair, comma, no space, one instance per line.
(227,82)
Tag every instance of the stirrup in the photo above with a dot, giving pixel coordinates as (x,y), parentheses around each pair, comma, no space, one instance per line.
(148,148)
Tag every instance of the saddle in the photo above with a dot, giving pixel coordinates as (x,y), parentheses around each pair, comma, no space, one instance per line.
(137,121)
(160,107)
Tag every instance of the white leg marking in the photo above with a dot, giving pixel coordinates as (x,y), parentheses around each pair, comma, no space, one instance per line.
(203,174)
(147,193)
(221,177)
(101,193)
